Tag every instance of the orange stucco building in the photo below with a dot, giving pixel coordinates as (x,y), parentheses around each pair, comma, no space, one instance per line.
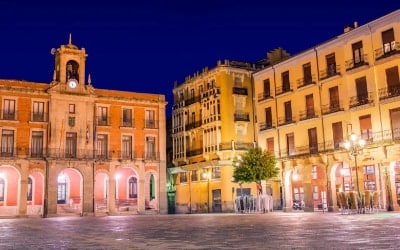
(69,148)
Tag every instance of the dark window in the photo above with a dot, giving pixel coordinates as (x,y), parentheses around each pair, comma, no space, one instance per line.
(288,112)
(285,81)
(29,197)
(331,64)
(307,73)
(313,140)
(2,189)
(268,117)
(395,122)
(358,55)
(387,39)
(133,187)
(127,117)
(267,91)
(70,145)
(127,147)
(101,145)
(337,131)
(334,98)
(7,142)
(310,113)
(362,91)
(37,144)
(270,145)
(392,79)
(193,175)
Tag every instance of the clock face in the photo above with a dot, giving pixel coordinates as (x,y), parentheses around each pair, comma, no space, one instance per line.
(72,83)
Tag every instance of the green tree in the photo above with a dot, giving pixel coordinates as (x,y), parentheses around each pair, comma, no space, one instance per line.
(254,166)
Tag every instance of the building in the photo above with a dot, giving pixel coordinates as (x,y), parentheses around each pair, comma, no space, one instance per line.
(212,123)
(309,105)
(69,148)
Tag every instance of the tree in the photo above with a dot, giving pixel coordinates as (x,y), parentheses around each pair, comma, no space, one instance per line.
(254,166)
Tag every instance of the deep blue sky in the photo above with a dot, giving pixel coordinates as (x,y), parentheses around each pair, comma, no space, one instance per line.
(145,46)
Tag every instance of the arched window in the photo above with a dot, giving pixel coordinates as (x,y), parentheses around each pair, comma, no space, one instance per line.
(29,189)
(2,187)
(132,187)
(152,188)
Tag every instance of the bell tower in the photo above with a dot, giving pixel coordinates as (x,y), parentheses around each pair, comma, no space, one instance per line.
(69,65)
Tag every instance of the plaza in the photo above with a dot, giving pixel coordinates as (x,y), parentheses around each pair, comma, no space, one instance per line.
(274,230)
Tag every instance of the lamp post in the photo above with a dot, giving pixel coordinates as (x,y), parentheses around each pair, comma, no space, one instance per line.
(355,145)
(207,175)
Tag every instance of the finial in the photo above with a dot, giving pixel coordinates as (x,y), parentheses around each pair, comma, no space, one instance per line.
(70,39)
(89,80)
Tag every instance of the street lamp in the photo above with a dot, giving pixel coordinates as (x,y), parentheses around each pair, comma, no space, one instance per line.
(355,145)
(206,174)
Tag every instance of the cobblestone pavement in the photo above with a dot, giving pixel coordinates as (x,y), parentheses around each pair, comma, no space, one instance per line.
(276,230)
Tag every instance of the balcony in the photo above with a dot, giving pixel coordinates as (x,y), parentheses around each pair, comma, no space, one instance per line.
(389,92)
(387,50)
(39,117)
(128,123)
(353,64)
(193,125)
(307,114)
(266,125)
(332,108)
(192,100)
(264,96)
(194,152)
(103,121)
(283,89)
(332,70)
(239,91)
(151,124)
(303,82)
(212,92)
(232,145)
(10,115)
(356,101)
(241,116)
(285,120)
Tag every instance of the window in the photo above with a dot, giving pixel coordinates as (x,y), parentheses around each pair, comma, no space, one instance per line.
(387,39)
(395,122)
(369,177)
(2,188)
(151,147)
(366,128)
(62,189)
(7,142)
(238,82)
(362,91)
(102,116)
(193,175)
(71,121)
(127,147)
(334,104)
(396,180)
(331,65)
(310,113)
(38,111)
(288,112)
(102,146)
(337,131)
(358,56)
(29,195)
(267,91)
(393,82)
(270,145)
(285,81)
(290,144)
(150,119)
(314,174)
(8,109)
(133,187)
(313,140)
(183,177)
(127,117)
(215,173)
(37,144)
(70,145)
(298,193)
(307,74)
(72,108)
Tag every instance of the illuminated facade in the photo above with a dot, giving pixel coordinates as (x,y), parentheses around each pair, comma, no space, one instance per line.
(69,148)
(309,104)
(212,122)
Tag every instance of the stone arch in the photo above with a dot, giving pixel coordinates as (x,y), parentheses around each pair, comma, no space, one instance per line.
(69,190)
(10,189)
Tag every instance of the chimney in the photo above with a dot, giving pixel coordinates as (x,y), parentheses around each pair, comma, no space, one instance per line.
(355,24)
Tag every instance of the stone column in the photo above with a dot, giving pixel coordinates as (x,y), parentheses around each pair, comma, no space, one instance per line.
(24,168)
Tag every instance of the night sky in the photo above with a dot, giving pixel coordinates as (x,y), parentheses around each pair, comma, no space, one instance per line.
(145,46)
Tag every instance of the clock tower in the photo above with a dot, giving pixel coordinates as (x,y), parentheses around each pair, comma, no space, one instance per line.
(69,66)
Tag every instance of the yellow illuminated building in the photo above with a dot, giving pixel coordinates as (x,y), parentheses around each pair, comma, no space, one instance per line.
(212,122)
(307,107)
